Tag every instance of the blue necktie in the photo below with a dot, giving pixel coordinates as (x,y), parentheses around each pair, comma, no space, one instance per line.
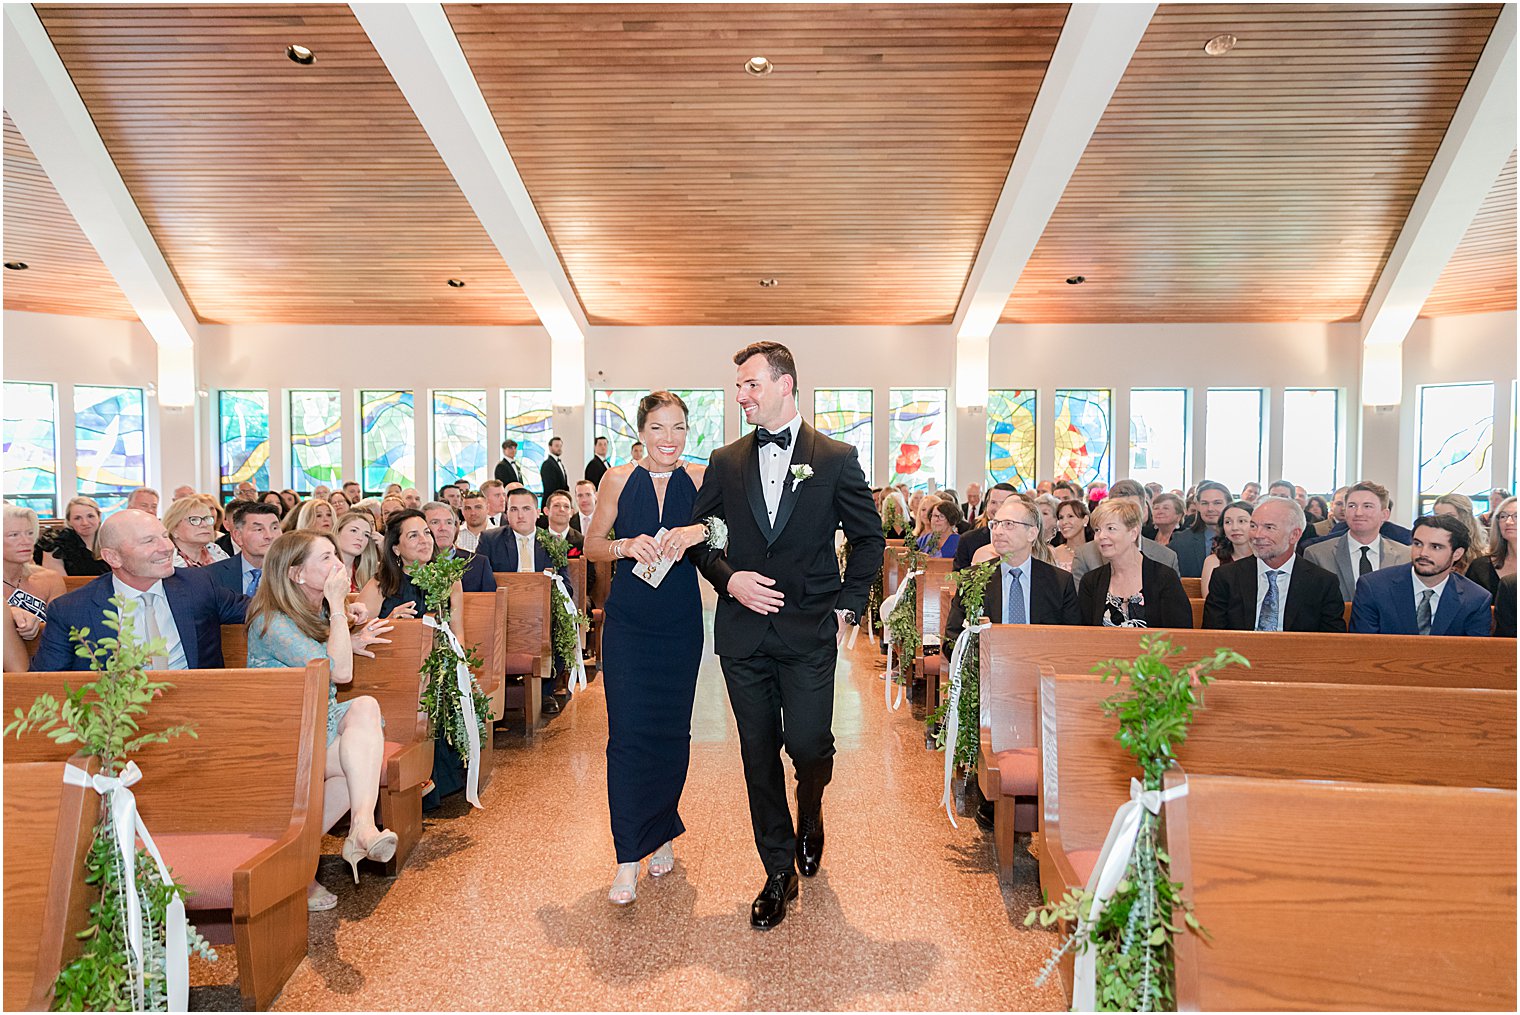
(254,574)
(1013,602)
(1268,621)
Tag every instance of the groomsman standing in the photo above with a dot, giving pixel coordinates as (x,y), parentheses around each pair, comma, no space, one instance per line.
(597,467)
(552,472)
(506,469)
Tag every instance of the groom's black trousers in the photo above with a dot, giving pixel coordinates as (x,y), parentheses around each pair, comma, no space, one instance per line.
(781,695)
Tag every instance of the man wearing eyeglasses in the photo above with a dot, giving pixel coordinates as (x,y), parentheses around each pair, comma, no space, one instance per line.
(1023,590)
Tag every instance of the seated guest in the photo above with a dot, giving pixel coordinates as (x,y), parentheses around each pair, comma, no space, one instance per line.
(1128,589)
(371,507)
(1089,557)
(1232,543)
(390,507)
(28,587)
(495,493)
(321,492)
(942,538)
(1335,516)
(1426,595)
(1046,505)
(1362,549)
(1250,492)
(254,526)
(393,490)
(245,491)
(183,490)
(191,522)
(224,524)
(144,498)
(1166,515)
(1046,486)
(902,525)
(339,502)
(920,506)
(1499,562)
(473,507)
(558,510)
(1023,590)
(1281,488)
(1316,511)
(445,528)
(412,498)
(358,548)
(1196,542)
(290,499)
(274,498)
(1504,608)
(1274,589)
(1388,530)
(1460,507)
(353,491)
(585,506)
(184,607)
(298,615)
(316,516)
(73,548)
(1072,533)
(1154,490)
(980,535)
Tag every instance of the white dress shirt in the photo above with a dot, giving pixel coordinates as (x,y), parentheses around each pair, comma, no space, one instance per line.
(775,468)
(1284,576)
(525,547)
(1005,574)
(1435,600)
(585,524)
(467,540)
(167,630)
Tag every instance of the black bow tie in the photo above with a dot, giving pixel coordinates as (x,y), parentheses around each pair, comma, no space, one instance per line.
(782,440)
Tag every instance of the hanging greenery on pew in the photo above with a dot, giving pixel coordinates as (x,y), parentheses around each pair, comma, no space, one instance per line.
(902,622)
(971,589)
(103,718)
(1132,938)
(891,517)
(565,622)
(440,693)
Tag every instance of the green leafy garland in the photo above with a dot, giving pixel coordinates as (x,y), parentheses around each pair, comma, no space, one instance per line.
(564,626)
(103,718)
(1133,936)
(971,589)
(891,517)
(440,693)
(902,622)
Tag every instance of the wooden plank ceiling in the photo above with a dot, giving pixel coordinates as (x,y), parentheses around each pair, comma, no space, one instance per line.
(1267,184)
(277,192)
(861,174)
(64,275)
(1480,277)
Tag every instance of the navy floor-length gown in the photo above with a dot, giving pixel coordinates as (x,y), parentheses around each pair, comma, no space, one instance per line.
(652,646)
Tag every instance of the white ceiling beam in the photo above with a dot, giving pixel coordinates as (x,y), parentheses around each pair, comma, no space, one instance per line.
(1477,144)
(47,109)
(423,55)
(1095,47)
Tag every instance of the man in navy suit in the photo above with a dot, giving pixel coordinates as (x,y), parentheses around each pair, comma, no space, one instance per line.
(254,526)
(183,607)
(1424,596)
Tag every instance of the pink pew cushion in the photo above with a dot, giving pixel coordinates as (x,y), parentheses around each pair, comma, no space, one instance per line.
(1083,861)
(204,863)
(1018,771)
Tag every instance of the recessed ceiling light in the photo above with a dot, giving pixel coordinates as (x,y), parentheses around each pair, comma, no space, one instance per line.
(16,265)
(1220,45)
(456,283)
(1076,280)
(759,66)
(301,55)
(769,283)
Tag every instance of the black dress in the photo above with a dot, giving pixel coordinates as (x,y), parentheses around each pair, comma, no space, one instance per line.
(652,645)
(448,766)
(65,544)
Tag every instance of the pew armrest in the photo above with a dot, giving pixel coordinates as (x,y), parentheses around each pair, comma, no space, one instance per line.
(410,766)
(281,869)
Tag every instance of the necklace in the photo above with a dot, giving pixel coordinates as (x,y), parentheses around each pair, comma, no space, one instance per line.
(660,475)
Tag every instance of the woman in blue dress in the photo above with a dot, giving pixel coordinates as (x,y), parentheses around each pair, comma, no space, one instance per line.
(652,641)
(297,615)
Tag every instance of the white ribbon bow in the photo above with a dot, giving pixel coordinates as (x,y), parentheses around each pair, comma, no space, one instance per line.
(886,611)
(1105,879)
(953,713)
(578,678)
(127,825)
(465,681)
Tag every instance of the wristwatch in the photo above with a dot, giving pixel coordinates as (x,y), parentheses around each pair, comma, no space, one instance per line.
(850,618)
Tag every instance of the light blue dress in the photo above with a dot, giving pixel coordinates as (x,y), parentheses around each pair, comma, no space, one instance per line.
(283,644)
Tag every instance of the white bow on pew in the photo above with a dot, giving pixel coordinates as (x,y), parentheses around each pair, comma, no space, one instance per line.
(953,713)
(465,682)
(578,679)
(887,606)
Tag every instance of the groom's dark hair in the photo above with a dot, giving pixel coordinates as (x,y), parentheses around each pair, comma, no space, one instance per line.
(777,355)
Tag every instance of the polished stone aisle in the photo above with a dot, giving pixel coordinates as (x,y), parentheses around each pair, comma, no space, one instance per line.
(506,908)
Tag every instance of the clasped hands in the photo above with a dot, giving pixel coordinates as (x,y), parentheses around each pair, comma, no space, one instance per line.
(675,542)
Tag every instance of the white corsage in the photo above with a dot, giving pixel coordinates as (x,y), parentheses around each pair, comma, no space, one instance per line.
(799,473)
(717,532)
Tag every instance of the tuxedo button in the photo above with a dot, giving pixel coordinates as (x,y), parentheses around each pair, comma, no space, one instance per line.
(767,555)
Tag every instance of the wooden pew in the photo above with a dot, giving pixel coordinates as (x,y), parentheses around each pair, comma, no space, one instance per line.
(932,586)
(236,810)
(529,648)
(485,630)
(1197,605)
(72,582)
(49,827)
(1193,588)
(1316,898)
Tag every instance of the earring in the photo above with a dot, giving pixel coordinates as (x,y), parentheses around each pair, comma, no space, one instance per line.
(300,581)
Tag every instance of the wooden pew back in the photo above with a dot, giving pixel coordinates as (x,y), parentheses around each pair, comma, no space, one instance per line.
(1316,898)
(1193,588)
(394,679)
(485,630)
(936,575)
(578,579)
(77,581)
(528,606)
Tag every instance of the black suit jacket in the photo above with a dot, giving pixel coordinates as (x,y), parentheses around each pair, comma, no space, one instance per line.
(970,543)
(1504,608)
(553,476)
(1166,604)
(506,472)
(595,470)
(1314,600)
(798,552)
(1052,599)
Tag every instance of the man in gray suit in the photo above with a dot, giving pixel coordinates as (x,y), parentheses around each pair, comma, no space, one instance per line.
(1088,557)
(1363,549)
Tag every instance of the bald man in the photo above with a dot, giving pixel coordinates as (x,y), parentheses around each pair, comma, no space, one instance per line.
(183,607)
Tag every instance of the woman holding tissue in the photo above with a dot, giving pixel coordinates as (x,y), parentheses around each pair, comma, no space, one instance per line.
(652,641)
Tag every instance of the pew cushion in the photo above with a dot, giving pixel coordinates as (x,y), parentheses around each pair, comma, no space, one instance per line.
(204,863)
(518,663)
(1018,772)
(1083,861)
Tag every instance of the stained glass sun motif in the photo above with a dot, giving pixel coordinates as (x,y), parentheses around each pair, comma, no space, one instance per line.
(1011,431)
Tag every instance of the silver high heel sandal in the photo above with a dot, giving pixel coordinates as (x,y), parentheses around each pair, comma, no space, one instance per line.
(381,849)
(625,884)
(662,861)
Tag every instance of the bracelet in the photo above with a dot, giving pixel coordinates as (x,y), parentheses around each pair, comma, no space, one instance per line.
(617,548)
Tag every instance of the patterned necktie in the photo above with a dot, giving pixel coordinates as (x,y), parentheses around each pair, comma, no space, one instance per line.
(254,574)
(1268,619)
(149,602)
(1422,615)
(1365,567)
(1013,603)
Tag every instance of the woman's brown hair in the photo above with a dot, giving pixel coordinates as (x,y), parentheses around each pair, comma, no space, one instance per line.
(656,399)
(278,594)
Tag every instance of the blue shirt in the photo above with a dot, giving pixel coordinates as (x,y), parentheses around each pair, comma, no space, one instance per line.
(1006,572)
(248,570)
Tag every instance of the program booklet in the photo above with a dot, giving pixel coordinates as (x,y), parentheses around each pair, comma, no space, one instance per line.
(656,572)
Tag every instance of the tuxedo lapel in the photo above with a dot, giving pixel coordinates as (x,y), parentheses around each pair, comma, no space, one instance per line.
(1248,590)
(801,455)
(751,459)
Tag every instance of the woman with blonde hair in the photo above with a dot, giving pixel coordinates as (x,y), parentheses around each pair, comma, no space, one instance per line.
(297,615)
(192,525)
(316,515)
(74,548)
(1499,562)
(1460,507)
(29,587)
(355,536)
(1129,589)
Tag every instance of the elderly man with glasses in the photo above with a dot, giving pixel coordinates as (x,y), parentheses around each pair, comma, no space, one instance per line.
(1023,589)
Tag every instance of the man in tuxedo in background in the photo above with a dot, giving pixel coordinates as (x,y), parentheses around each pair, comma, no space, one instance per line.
(1274,589)
(254,527)
(495,493)
(552,471)
(972,508)
(506,469)
(1362,550)
(1023,590)
(597,467)
(1426,595)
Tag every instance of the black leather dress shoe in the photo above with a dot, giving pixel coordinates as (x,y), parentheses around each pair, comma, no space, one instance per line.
(809,844)
(549,705)
(770,905)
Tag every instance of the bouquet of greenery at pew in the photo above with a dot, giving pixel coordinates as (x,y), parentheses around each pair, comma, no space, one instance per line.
(902,622)
(565,622)
(891,516)
(1132,937)
(440,694)
(971,589)
(103,718)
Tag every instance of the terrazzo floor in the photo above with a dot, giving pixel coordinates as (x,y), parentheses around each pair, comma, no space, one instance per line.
(506,907)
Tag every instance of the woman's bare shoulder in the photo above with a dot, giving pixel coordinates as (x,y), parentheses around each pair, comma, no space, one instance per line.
(697,473)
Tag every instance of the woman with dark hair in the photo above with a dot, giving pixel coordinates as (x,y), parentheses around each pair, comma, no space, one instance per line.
(943,536)
(652,639)
(1316,510)
(1072,533)
(290,499)
(1233,541)
(273,497)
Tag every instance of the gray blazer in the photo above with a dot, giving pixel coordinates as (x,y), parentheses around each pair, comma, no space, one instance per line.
(1334,555)
(1088,558)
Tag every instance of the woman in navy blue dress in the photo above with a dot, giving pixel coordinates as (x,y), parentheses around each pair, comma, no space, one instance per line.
(652,641)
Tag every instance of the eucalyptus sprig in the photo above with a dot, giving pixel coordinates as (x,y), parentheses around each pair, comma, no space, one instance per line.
(902,623)
(440,694)
(436,579)
(971,589)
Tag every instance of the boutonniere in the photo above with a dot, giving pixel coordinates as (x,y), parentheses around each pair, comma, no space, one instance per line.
(799,473)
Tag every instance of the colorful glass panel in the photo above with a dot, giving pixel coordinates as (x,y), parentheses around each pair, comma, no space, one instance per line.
(388,445)
(31,447)
(316,440)
(1456,440)
(110,443)
(845,414)
(529,417)
(1011,436)
(916,437)
(459,438)
(617,417)
(244,436)
(1083,431)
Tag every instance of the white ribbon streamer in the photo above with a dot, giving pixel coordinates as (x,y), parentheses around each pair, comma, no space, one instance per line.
(953,714)
(465,681)
(578,678)
(127,825)
(887,607)
(1105,879)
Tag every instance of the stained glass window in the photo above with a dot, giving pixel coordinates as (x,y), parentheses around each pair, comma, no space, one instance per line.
(1312,438)
(387,445)
(31,447)
(244,429)
(1456,440)
(316,440)
(1158,446)
(845,415)
(1011,433)
(617,418)
(529,415)
(916,437)
(1232,445)
(1083,431)
(110,443)
(459,438)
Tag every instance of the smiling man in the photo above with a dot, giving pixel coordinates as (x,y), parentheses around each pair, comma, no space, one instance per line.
(1363,549)
(1274,589)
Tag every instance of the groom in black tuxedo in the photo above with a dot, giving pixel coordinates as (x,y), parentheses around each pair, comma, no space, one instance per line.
(784,489)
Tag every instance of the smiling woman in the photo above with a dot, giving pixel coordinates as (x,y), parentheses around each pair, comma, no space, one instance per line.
(192,523)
